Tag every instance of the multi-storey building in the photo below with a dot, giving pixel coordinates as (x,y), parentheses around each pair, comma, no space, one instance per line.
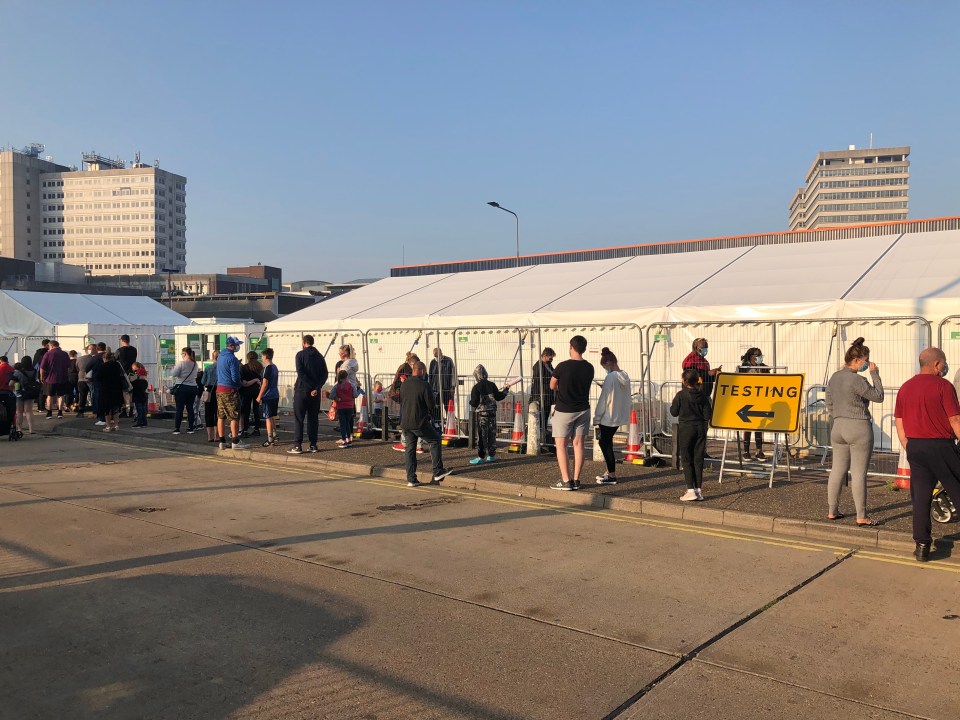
(21,204)
(108,218)
(853,187)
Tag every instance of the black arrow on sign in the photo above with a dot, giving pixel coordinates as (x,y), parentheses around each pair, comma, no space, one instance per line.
(747,412)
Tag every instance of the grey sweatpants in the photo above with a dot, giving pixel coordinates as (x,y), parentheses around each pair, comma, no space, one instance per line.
(852,442)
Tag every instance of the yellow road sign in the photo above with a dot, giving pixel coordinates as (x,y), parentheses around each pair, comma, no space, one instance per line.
(754,401)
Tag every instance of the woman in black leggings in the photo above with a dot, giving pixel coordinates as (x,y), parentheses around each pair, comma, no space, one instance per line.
(613,410)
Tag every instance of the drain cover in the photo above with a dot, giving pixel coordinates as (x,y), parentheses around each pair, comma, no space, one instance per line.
(151,509)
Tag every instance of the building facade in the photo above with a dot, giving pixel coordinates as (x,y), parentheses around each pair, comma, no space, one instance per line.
(853,187)
(109,219)
(21,201)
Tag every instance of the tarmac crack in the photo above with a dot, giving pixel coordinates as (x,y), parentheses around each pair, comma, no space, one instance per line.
(695,652)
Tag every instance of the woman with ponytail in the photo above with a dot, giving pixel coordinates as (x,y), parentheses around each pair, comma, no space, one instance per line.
(848,399)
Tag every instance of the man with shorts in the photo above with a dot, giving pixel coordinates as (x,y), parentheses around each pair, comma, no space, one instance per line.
(269,396)
(54,377)
(571,418)
(228,395)
(928,425)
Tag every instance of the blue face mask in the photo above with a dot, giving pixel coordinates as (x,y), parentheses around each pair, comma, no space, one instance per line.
(864,367)
(703,352)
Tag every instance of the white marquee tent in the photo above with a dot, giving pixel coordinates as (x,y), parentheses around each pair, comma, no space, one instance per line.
(74,320)
(802,303)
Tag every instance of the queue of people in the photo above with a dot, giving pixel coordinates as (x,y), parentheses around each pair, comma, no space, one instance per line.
(234,400)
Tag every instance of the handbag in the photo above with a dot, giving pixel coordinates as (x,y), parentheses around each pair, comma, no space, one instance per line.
(332,412)
(205,397)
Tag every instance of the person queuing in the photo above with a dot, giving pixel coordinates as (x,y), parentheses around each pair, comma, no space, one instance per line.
(613,410)
(37,357)
(443,380)
(348,363)
(113,383)
(416,424)
(311,376)
(250,372)
(571,420)
(73,380)
(399,377)
(209,398)
(127,356)
(696,359)
(752,362)
(26,377)
(93,372)
(691,406)
(344,394)
(183,387)
(540,390)
(84,391)
(8,397)
(848,400)
(269,396)
(54,375)
(138,393)
(484,398)
(927,415)
(228,400)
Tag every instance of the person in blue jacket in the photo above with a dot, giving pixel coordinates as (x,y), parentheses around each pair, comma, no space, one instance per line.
(228,395)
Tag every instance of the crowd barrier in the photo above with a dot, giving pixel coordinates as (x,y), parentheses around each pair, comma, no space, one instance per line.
(651,355)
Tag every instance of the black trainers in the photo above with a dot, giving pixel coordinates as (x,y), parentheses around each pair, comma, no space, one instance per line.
(606,479)
(313,449)
(576,484)
(922,553)
(223,444)
(413,483)
(438,478)
(49,416)
(296,450)
(561,485)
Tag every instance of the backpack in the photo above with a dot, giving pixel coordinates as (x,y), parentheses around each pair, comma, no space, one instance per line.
(30,390)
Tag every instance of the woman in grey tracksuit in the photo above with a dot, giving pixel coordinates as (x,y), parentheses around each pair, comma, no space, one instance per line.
(848,399)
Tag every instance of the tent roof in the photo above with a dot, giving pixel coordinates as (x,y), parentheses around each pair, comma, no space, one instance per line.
(72,309)
(889,275)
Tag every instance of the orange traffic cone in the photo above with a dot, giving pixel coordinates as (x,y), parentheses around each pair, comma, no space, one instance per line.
(902,480)
(633,455)
(450,432)
(152,408)
(517,443)
(363,424)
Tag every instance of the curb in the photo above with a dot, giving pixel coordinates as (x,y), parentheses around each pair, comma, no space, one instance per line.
(792,527)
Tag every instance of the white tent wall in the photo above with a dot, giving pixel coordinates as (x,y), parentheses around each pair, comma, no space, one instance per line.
(801,303)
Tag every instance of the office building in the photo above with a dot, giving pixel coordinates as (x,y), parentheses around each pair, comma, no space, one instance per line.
(853,187)
(108,218)
(273,275)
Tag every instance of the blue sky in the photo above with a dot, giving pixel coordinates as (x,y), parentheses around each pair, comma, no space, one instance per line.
(335,139)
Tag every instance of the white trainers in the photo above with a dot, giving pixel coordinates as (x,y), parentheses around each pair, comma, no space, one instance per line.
(689,495)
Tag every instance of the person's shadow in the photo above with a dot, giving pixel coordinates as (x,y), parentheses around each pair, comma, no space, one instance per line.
(181,646)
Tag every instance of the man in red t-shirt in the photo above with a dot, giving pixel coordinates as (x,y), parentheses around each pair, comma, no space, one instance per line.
(928,422)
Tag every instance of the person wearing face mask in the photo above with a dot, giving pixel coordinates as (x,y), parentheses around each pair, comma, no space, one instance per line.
(613,410)
(848,398)
(697,359)
(927,414)
(752,362)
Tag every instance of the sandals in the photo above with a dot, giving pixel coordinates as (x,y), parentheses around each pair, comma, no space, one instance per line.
(868,523)
(838,516)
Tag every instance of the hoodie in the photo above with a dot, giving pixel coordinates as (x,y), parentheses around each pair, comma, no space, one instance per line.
(484,396)
(228,370)
(615,401)
(311,371)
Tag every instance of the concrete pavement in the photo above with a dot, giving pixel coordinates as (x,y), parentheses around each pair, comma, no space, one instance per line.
(145,583)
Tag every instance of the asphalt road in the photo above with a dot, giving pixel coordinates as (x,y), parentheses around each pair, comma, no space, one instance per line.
(137,583)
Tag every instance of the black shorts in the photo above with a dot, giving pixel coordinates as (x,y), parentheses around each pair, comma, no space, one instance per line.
(57,389)
(269,407)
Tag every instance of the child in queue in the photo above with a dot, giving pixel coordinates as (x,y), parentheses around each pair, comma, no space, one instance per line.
(138,394)
(484,398)
(692,408)
(269,396)
(344,393)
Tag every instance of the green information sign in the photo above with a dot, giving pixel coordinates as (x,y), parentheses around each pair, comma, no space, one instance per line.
(954,335)
(258,344)
(373,341)
(463,338)
(661,337)
(168,351)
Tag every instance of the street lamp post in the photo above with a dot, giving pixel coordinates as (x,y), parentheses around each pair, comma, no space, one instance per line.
(169,272)
(517,218)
